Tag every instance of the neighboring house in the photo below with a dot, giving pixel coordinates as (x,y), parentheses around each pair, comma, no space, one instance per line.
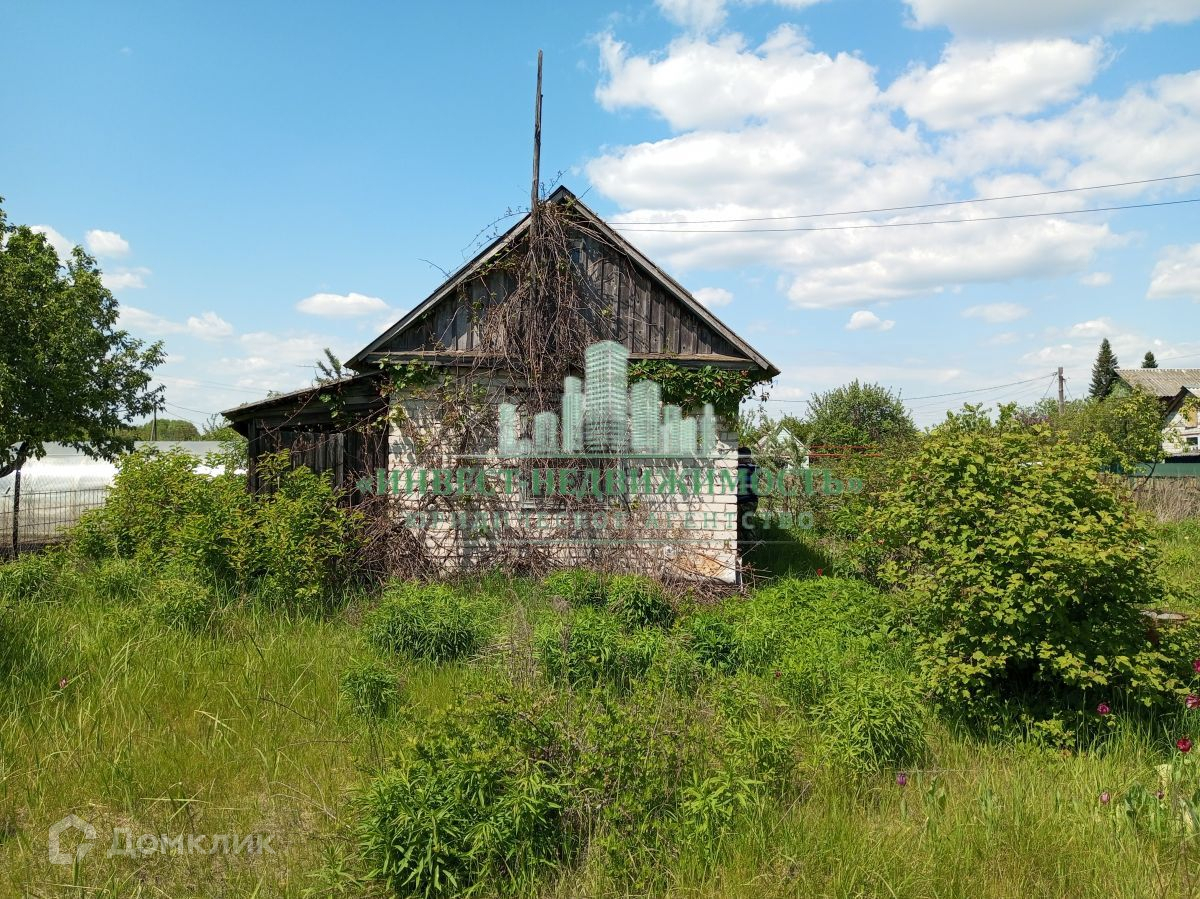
(781,442)
(645,313)
(1178,390)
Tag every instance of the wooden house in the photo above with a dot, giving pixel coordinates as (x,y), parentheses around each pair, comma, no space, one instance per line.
(350,428)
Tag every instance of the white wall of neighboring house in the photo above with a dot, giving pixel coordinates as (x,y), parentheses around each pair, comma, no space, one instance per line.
(1181,434)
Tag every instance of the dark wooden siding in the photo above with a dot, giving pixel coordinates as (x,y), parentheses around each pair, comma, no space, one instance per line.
(344,448)
(646,317)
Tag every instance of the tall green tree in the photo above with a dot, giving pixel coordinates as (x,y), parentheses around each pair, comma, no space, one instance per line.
(1104,372)
(1148,361)
(67,373)
(857,415)
(167,428)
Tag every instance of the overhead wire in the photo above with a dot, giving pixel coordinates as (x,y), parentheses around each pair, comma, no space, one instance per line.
(932,396)
(879,225)
(808,215)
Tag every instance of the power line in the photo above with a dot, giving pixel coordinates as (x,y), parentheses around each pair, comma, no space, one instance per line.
(873,225)
(934,396)
(187,409)
(1027,390)
(1172,358)
(190,382)
(813,215)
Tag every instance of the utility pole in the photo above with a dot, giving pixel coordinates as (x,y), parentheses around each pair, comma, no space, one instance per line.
(537,146)
(1061,404)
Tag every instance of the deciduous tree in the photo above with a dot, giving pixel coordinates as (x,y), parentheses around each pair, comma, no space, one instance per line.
(67,372)
(857,415)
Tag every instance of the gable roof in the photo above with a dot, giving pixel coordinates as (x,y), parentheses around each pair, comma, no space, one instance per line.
(1164,383)
(358,390)
(562,195)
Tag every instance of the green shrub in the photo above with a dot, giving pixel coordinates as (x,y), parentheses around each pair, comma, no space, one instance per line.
(578,586)
(302,533)
(712,640)
(478,805)
(638,601)
(369,687)
(289,542)
(1028,567)
(120,580)
(427,621)
(873,721)
(182,603)
(822,619)
(32,577)
(590,647)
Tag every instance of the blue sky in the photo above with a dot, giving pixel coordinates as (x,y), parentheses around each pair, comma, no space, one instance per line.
(262,180)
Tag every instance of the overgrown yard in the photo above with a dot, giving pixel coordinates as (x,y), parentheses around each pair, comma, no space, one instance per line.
(979,709)
(718,767)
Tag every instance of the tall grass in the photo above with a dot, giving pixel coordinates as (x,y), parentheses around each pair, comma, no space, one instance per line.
(262,721)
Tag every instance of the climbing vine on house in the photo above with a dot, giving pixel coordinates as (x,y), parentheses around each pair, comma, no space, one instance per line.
(691,388)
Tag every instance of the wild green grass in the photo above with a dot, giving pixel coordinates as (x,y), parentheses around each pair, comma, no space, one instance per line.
(1179,549)
(122,703)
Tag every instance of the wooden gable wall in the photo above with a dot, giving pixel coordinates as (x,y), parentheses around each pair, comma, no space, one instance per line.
(646,318)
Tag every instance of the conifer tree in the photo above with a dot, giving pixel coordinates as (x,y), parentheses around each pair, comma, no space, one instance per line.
(1104,372)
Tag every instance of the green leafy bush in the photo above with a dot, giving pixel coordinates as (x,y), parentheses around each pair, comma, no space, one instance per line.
(369,687)
(31,577)
(873,721)
(712,640)
(477,805)
(578,586)
(302,534)
(289,542)
(1029,569)
(817,619)
(638,601)
(182,603)
(590,647)
(121,580)
(427,621)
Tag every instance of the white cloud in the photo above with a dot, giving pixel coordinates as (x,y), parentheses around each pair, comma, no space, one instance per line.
(139,320)
(696,15)
(1077,348)
(1176,273)
(780,130)
(341,304)
(706,15)
(713,296)
(271,361)
(996,313)
(701,83)
(864,320)
(106,243)
(206,326)
(1017,18)
(977,80)
(1096,279)
(1004,338)
(61,245)
(125,278)
(1097,327)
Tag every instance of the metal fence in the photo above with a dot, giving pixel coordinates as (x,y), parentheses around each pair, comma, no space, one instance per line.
(31,518)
